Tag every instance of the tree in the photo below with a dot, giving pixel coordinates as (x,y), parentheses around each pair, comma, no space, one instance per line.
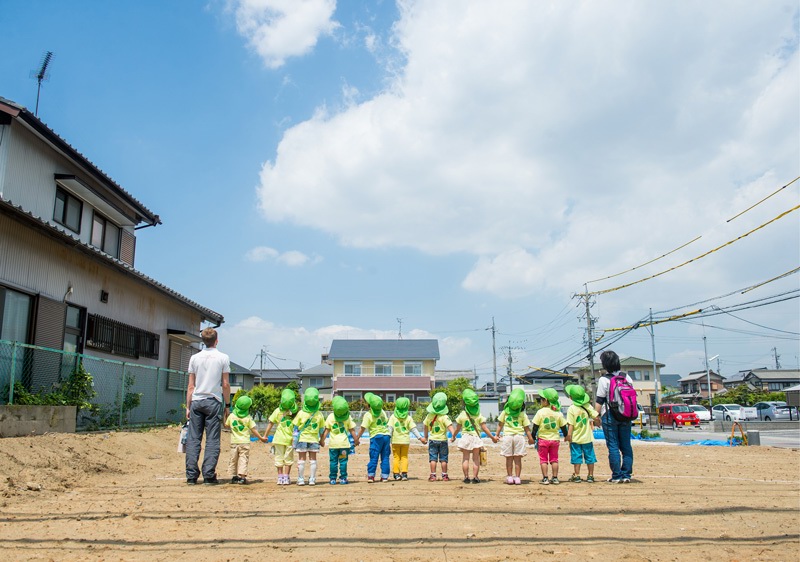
(453,391)
(265,400)
(745,395)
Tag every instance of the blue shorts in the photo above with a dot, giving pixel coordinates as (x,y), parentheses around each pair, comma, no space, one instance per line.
(303,447)
(438,451)
(582,453)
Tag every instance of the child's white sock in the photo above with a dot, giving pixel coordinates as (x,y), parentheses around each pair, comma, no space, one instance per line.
(301,468)
(313,470)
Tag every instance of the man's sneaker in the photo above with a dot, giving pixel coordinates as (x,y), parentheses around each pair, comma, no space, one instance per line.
(312,482)
(432,478)
(467,480)
(555,480)
(614,480)
(211,481)
(476,480)
(242,481)
(575,478)
(370,479)
(544,481)
(343,481)
(191,481)
(404,476)
(301,481)
(445,478)
(235,480)
(626,481)
(590,479)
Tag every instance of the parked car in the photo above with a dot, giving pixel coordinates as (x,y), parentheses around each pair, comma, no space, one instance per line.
(768,411)
(733,412)
(702,412)
(676,415)
(644,417)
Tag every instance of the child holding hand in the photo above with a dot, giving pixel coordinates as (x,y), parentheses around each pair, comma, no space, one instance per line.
(580,436)
(546,424)
(310,423)
(437,423)
(283,441)
(402,426)
(377,423)
(242,425)
(470,443)
(338,425)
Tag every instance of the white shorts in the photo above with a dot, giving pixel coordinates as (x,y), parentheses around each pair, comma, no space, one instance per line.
(284,455)
(514,445)
(469,442)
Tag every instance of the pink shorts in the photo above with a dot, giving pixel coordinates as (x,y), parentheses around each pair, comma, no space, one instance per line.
(548,451)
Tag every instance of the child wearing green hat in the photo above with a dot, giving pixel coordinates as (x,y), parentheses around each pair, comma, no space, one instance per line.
(470,443)
(436,423)
(377,423)
(580,435)
(513,422)
(282,442)
(310,423)
(402,426)
(338,425)
(546,423)
(242,425)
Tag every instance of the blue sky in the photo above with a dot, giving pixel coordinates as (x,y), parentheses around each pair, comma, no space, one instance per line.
(324,168)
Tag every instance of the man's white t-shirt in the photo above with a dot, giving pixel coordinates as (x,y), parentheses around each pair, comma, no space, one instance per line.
(208,366)
(604,385)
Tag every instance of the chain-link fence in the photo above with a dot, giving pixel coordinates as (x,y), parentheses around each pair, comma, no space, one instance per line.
(108,393)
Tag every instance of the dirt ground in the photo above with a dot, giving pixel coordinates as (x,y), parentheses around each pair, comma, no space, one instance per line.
(123,496)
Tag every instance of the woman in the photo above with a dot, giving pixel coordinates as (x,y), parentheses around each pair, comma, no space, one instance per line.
(618,433)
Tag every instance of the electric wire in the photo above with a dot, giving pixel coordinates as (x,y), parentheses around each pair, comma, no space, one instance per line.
(764,199)
(645,263)
(759,325)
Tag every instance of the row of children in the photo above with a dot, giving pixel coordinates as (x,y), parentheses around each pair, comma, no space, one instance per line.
(305,430)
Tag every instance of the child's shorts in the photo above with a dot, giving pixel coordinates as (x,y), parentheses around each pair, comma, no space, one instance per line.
(582,452)
(303,447)
(469,442)
(548,451)
(284,455)
(438,451)
(514,445)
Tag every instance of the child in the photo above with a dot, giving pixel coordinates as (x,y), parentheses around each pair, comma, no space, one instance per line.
(338,425)
(376,421)
(580,435)
(470,442)
(437,423)
(309,423)
(282,443)
(242,425)
(514,422)
(546,423)
(400,425)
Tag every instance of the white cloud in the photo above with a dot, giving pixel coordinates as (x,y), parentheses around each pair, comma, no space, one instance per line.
(279,29)
(560,143)
(292,258)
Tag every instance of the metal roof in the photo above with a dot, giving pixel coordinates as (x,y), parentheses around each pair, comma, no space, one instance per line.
(384,349)
(323,369)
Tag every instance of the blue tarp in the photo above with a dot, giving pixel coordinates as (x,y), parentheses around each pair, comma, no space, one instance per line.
(713,443)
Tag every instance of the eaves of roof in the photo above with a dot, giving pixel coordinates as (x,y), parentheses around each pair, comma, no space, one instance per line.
(19,214)
(19,112)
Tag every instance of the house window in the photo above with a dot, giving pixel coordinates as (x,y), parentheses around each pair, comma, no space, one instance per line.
(316,382)
(105,235)
(68,210)
(647,375)
(391,397)
(352,396)
(410,396)
(383,368)
(15,312)
(120,339)
(776,386)
(413,368)
(73,329)
(352,368)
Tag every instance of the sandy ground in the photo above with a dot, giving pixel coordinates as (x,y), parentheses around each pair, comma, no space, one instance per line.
(123,496)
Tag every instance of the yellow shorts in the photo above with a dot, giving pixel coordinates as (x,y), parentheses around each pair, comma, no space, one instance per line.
(284,455)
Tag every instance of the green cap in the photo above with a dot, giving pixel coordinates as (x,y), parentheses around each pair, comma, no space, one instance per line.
(288,400)
(341,409)
(577,394)
(375,403)
(242,406)
(551,395)
(515,402)
(401,406)
(471,402)
(311,400)
(438,404)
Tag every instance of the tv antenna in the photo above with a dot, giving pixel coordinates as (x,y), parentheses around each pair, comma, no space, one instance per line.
(41,76)
(400,328)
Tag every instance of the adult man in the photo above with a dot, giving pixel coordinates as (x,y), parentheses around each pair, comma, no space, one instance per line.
(207,395)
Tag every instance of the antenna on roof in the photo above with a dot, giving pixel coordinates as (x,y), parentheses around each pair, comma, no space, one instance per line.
(400,328)
(41,76)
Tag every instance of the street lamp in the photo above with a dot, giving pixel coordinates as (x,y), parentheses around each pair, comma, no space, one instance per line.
(708,373)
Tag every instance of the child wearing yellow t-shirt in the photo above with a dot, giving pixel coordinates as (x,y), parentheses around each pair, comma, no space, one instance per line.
(402,426)
(377,423)
(470,442)
(546,424)
(436,423)
(309,423)
(338,425)
(283,441)
(580,436)
(513,422)
(242,425)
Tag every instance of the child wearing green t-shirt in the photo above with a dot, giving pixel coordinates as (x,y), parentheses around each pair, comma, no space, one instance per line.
(309,423)
(402,426)
(513,422)
(242,425)
(377,423)
(282,442)
(580,435)
(338,425)
(546,424)
(434,428)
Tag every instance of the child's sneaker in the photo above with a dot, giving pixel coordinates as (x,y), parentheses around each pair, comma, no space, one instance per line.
(445,478)
(544,481)
(235,480)
(575,478)
(343,481)
(396,476)
(467,480)
(242,480)
(555,480)
(301,481)
(312,482)
(384,479)
(590,479)
(432,478)
(476,480)
(370,479)
(510,480)
(517,480)
(404,476)
(333,482)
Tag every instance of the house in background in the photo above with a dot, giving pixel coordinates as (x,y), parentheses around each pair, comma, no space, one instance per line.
(694,386)
(241,378)
(319,377)
(771,380)
(279,378)
(67,265)
(640,370)
(441,378)
(388,368)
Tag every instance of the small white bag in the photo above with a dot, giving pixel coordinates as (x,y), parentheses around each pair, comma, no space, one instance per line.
(182,438)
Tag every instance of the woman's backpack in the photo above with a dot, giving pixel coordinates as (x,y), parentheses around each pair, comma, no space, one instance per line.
(622,398)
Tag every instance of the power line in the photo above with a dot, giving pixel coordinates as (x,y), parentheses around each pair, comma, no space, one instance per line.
(764,199)
(645,263)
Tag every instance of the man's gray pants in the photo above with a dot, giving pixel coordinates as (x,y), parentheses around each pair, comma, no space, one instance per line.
(203,415)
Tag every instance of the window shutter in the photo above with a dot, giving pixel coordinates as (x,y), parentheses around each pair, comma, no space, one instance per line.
(48,332)
(127,250)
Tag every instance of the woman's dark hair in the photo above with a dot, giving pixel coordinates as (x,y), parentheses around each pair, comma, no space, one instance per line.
(610,361)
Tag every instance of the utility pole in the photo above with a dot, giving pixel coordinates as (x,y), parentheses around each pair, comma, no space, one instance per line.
(655,368)
(777,358)
(509,362)
(708,374)
(494,359)
(590,320)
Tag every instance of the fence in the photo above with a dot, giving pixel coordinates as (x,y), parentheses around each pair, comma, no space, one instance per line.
(125,394)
